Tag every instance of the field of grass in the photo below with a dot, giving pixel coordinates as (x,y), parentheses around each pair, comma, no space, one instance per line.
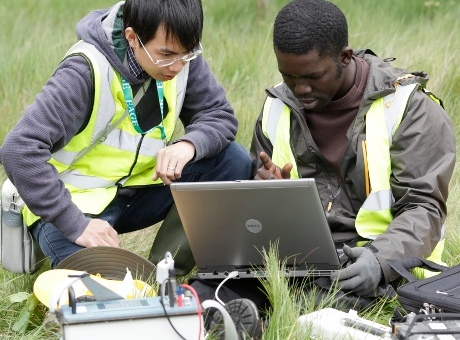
(421,35)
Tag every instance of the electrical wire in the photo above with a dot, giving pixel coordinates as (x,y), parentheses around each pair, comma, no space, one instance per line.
(230,276)
(55,300)
(198,308)
(162,296)
(171,291)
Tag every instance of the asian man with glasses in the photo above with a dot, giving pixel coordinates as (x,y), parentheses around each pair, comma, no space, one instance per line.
(98,145)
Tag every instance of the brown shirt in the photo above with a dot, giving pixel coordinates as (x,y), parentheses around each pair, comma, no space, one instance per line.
(329,126)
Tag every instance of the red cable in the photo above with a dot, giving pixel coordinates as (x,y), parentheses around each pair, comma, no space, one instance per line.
(198,305)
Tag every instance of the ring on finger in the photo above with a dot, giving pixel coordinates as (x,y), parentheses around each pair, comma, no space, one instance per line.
(171,168)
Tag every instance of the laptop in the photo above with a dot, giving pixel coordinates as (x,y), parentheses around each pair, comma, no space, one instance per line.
(228,224)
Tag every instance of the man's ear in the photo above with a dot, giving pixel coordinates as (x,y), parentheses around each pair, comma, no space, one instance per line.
(131,37)
(345,56)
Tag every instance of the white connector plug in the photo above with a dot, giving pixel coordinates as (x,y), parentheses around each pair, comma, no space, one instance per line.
(163,268)
(230,276)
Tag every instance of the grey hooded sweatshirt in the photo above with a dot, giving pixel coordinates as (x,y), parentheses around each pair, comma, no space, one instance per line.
(63,108)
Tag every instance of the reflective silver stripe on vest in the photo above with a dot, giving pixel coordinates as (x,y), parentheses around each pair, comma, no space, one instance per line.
(65,157)
(393,103)
(84,182)
(275,107)
(393,109)
(123,140)
(379,200)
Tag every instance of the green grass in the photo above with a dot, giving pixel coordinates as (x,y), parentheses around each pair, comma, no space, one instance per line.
(421,35)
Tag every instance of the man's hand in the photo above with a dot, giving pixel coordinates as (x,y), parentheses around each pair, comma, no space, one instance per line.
(363,274)
(171,161)
(98,233)
(270,170)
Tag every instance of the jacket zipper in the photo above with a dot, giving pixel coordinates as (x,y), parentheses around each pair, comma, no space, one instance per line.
(328,181)
(312,150)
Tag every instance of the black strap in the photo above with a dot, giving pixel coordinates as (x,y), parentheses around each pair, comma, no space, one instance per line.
(403,267)
(100,292)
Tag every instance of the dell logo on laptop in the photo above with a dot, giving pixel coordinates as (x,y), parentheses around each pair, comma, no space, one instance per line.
(253,226)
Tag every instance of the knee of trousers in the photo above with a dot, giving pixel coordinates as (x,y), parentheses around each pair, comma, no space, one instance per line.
(237,158)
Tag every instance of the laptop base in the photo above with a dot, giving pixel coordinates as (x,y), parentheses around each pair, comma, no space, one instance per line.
(249,273)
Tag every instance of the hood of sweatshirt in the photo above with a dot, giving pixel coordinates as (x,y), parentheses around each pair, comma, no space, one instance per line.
(104,29)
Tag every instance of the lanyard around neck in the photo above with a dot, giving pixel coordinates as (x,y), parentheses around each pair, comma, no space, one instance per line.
(132,111)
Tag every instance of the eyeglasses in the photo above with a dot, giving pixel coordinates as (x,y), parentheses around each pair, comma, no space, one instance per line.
(167,62)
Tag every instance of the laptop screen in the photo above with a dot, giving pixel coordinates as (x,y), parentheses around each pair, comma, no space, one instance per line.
(228,224)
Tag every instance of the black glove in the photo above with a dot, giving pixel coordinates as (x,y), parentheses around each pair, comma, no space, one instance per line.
(362,275)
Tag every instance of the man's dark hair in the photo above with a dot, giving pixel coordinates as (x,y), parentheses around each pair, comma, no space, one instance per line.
(182,19)
(306,25)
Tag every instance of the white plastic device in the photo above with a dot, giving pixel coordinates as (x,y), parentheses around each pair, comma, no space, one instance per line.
(332,324)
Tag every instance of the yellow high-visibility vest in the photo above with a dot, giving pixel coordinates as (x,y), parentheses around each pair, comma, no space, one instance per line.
(109,152)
